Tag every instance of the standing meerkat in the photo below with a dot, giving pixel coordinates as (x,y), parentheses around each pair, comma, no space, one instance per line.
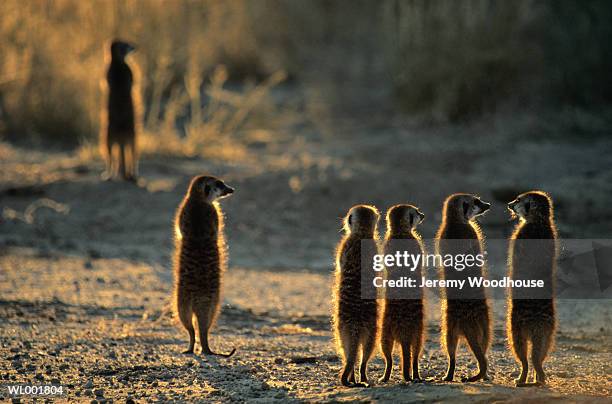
(532,254)
(118,135)
(402,319)
(464,314)
(354,318)
(200,258)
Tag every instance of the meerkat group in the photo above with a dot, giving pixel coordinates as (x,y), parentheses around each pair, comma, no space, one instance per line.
(361,323)
(357,322)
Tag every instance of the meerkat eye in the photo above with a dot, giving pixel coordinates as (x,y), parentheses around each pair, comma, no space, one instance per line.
(527,207)
(218,183)
(410,218)
(207,189)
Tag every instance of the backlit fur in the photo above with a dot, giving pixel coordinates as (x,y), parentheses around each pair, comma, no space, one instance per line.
(532,254)
(462,317)
(354,318)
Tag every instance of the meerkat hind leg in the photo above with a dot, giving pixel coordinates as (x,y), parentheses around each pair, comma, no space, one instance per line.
(452,338)
(367,348)
(132,162)
(478,348)
(519,345)
(350,346)
(406,361)
(108,161)
(352,376)
(386,347)
(416,349)
(540,344)
(122,162)
(115,156)
(186,317)
(205,320)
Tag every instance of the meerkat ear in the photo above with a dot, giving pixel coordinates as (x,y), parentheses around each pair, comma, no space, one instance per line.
(350,220)
(466,207)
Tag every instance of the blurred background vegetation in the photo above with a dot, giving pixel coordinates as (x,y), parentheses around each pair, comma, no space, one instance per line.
(447,60)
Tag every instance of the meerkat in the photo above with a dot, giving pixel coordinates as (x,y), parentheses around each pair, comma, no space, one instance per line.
(355,319)
(200,258)
(532,321)
(469,317)
(402,319)
(118,135)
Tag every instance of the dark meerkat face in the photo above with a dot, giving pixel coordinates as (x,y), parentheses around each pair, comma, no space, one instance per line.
(531,205)
(121,49)
(361,219)
(209,188)
(404,217)
(465,206)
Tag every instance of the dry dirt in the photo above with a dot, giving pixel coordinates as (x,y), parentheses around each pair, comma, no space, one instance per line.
(84,292)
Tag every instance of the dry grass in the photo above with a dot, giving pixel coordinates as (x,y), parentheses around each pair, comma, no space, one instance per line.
(449,59)
(212,130)
(52,66)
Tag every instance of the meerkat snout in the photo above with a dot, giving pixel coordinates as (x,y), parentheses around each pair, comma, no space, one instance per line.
(220,190)
(474,207)
(513,208)
(480,207)
(413,220)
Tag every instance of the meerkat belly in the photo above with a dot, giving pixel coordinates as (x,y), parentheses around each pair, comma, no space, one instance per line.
(407,309)
(533,312)
(403,315)
(466,310)
(199,270)
(352,309)
(120,112)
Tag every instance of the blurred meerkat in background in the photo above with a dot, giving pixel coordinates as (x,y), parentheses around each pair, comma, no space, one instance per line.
(118,143)
(532,254)
(402,319)
(200,258)
(354,318)
(464,314)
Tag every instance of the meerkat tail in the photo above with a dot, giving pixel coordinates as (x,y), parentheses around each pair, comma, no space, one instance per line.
(204,323)
(206,347)
(208,351)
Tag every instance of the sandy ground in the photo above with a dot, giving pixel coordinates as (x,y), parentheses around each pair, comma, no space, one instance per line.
(84,292)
